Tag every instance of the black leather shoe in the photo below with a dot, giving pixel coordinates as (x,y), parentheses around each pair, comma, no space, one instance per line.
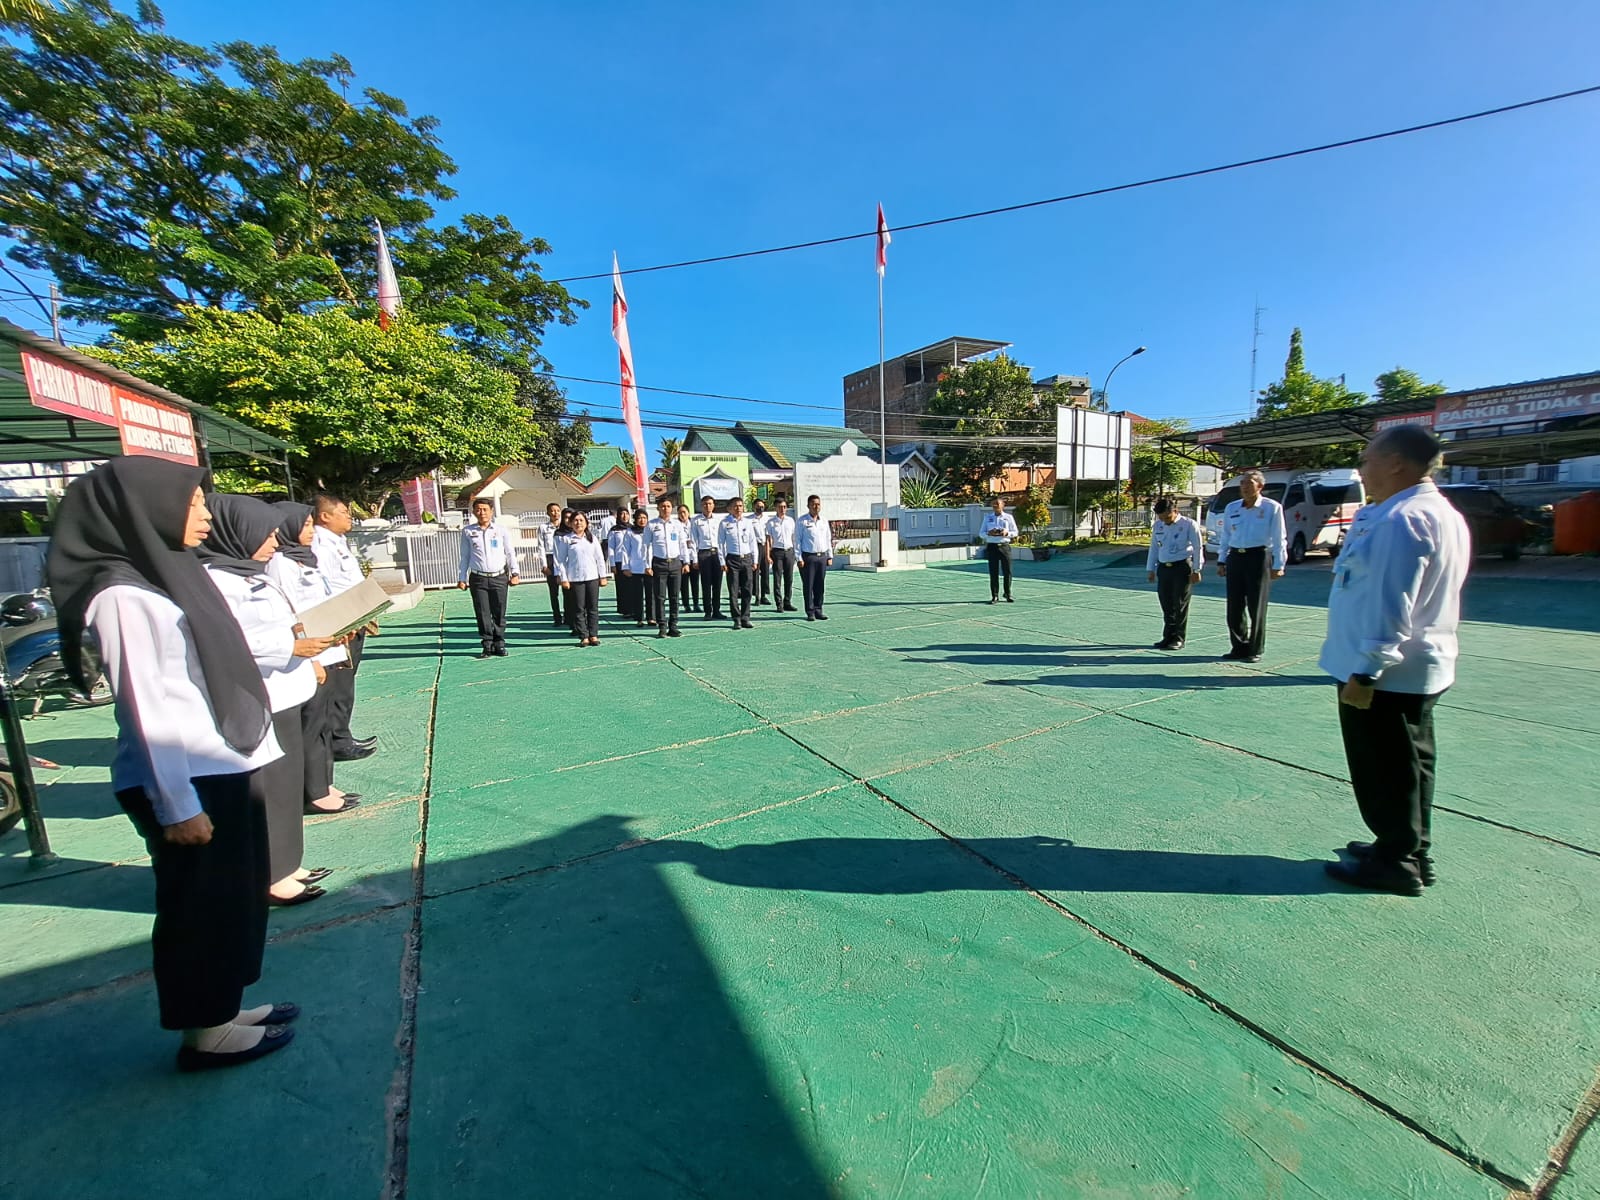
(500,652)
(275,1038)
(1162,646)
(483,654)
(1009,600)
(1362,851)
(366,741)
(822,616)
(311,892)
(354,753)
(746,625)
(1375,876)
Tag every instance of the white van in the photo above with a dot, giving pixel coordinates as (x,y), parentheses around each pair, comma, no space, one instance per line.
(1318,507)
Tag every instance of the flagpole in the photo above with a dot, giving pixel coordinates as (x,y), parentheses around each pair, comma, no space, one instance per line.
(883,435)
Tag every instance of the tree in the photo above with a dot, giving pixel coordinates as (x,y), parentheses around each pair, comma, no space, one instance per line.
(991,399)
(1154,473)
(145,181)
(668,452)
(366,408)
(1300,392)
(1401,384)
(558,445)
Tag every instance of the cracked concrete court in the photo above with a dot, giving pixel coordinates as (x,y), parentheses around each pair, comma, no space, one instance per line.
(934,899)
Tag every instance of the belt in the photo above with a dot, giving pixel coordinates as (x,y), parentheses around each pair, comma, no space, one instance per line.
(1247,549)
(500,574)
(1177,562)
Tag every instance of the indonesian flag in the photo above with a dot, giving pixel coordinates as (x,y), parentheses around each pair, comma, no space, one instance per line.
(630,394)
(388,286)
(883,242)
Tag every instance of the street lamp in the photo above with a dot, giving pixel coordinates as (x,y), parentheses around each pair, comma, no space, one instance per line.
(1105,398)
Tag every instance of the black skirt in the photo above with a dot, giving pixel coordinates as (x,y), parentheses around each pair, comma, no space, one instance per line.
(281,786)
(211,903)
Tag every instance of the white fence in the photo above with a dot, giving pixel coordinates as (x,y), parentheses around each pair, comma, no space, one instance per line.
(962,526)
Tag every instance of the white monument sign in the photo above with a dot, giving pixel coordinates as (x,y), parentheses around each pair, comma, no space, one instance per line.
(851,484)
(1092,445)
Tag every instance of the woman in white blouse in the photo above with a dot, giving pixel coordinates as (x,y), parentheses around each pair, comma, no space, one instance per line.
(582,568)
(244,536)
(193,726)
(294,569)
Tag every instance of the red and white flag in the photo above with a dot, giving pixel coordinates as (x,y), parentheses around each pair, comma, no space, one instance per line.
(630,394)
(883,242)
(388,286)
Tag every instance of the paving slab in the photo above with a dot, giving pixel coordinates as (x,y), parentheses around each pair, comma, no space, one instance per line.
(107,1116)
(864,1037)
(1183,866)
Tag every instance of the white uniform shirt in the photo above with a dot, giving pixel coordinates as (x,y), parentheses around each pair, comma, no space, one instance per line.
(487,551)
(1245,528)
(690,555)
(617,544)
(166,734)
(637,551)
(306,588)
(267,618)
(813,536)
(1396,599)
(1004,524)
(760,521)
(579,559)
(780,532)
(545,535)
(336,560)
(703,531)
(666,538)
(1177,542)
(736,536)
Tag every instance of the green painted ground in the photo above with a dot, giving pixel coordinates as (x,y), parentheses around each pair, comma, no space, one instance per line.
(934,899)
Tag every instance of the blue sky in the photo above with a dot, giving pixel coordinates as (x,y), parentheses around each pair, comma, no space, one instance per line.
(674,131)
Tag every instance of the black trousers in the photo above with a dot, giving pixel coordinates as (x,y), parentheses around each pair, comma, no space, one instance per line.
(279,787)
(211,903)
(691,587)
(585,595)
(342,700)
(813,581)
(489,606)
(783,577)
(1391,754)
(999,565)
(668,576)
(554,584)
(316,727)
(711,583)
(1174,589)
(1249,581)
(741,582)
(763,576)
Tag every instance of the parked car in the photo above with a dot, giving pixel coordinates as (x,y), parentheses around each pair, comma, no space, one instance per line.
(1495,525)
(1318,507)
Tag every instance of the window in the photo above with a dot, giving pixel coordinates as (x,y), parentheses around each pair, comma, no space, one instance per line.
(1335,493)
(1295,495)
(913,370)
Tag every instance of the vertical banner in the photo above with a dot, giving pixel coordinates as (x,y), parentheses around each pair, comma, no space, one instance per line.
(420,495)
(630,394)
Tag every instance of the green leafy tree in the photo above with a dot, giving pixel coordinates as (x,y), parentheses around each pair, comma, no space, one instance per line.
(1300,393)
(148,174)
(367,408)
(1401,384)
(1033,512)
(992,400)
(1154,473)
(668,453)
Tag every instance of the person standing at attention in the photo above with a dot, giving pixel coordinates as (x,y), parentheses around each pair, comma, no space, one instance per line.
(999,530)
(814,539)
(581,563)
(736,543)
(193,726)
(691,563)
(637,561)
(780,549)
(763,566)
(1393,613)
(666,537)
(339,566)
(616,554)
(1177,556)
(488,567)
(1250,555)
(703,538)
(546,535)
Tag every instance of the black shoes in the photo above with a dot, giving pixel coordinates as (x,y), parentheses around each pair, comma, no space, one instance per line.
(674,633)
(1166,645)
(821,616)
(351,800)
(354,752)
(276,1037)
(484,654)
(790,608)
(994,599)
(1250,658)
(1362,852)
(1374,876)
(811,616)
(311,892)
(1009,600)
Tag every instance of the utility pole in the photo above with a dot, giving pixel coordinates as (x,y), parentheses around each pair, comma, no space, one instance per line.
(55,314)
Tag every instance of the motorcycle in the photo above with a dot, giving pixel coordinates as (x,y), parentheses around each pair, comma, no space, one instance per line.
(32,646)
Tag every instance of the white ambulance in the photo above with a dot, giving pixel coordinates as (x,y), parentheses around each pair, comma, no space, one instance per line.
(1318,507)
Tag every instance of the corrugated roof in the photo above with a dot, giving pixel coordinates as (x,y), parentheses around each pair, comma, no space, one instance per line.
(775,446)
(597,460)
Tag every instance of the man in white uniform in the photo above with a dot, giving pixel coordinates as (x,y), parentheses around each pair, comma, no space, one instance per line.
(342,569)
(488,567)
(1250,555)
(1391,646)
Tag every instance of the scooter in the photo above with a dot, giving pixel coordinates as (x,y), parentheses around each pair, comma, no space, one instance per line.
(32,647)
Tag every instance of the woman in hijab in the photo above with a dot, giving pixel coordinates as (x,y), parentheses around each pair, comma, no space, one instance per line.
(564,538)
(294,569)
(244,535)
(193,727)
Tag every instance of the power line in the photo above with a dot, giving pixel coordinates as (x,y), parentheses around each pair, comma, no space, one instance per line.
(1176,177)
(680,392)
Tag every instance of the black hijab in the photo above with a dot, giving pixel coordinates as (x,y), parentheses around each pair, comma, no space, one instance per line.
(239,524)
(294,517)
(123,523)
